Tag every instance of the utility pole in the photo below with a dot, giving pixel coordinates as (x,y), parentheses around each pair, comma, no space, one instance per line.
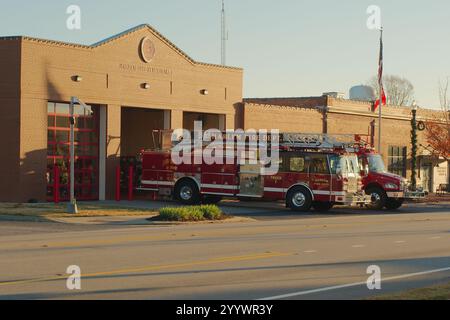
(224,36)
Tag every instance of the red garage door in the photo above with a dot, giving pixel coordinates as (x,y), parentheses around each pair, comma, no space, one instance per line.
(86,151)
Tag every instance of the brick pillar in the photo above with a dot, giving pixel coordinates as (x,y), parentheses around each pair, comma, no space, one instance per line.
(176,119)
(113,144)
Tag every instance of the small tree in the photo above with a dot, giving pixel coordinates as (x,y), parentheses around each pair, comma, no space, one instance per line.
(399,91)
(438,129)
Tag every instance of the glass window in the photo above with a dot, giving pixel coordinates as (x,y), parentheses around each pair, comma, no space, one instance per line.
(86,150)
(62,122)
(376,163)
(353,164)
(62,150)
(297,164)
(319,164)
(62,108)
(50,107)
(62,136)
(51,121)
(397,160)
(50,135)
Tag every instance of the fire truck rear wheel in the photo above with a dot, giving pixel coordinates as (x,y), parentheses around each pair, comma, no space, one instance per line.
(322,206)
(186,191)
(299,199)
(378,198)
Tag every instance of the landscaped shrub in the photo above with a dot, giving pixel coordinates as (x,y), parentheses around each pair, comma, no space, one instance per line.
(211,212)
(193,213)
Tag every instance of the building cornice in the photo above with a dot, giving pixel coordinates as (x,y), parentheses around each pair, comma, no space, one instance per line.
(120,36)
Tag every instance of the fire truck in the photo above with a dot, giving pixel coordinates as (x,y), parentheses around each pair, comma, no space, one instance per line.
(315,171)
(387,190)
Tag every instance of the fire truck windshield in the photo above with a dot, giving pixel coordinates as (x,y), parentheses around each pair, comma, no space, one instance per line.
(376,163)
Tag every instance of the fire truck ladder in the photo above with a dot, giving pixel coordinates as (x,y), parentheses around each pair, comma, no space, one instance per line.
(318,141)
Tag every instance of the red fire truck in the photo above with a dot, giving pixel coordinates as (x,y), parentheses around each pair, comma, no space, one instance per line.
(314,171)
(387,190)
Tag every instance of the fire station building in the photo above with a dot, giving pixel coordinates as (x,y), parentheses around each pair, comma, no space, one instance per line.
(134,83)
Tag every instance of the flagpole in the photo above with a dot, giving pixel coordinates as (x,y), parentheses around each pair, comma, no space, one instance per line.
(380,87)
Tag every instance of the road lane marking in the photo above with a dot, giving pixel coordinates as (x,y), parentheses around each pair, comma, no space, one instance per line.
(310,251)
(404,276)
(400,241)
(358,246)
(435,238)
(219,260)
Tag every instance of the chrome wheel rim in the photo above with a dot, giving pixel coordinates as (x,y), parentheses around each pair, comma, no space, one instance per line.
(375,198)
(186,193)
(299,199)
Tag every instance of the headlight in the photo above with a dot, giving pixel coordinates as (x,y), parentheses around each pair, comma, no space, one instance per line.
(392,186)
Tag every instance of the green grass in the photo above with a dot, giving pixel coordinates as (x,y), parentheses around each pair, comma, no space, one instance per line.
(194,213)
(439,292)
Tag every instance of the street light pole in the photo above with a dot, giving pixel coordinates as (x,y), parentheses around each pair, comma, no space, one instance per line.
(72,207)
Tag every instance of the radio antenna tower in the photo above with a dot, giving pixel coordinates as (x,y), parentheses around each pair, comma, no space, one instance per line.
(224,36)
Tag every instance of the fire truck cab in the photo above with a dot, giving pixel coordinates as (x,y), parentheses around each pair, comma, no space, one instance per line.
(387,190)
(313,172)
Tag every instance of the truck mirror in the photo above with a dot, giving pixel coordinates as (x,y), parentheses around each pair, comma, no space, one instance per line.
(339,172)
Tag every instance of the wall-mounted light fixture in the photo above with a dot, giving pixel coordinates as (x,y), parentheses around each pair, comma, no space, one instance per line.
(77,78)
(145,86)
(204,92)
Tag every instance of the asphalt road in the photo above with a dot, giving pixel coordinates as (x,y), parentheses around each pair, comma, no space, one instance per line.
(280,255)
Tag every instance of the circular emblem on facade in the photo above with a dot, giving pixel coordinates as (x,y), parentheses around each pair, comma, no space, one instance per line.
(147,49)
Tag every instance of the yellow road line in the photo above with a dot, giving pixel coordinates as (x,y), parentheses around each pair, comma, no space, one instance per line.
(260,230)
(256,256)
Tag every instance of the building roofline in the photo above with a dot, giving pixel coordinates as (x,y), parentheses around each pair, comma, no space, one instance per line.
(119,36)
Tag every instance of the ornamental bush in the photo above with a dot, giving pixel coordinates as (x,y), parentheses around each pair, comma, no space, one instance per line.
(193,213)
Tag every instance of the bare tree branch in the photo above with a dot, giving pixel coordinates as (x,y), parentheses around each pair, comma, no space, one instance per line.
(438,129)
(399,91)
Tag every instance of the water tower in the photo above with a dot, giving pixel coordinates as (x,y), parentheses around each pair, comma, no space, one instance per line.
(362,93)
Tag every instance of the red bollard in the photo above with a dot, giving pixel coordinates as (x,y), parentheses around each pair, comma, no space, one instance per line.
(130,183)
(56,179)
(118,183)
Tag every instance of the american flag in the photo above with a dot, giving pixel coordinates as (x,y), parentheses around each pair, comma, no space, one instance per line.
(380,75)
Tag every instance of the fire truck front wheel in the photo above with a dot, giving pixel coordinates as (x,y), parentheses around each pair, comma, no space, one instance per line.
(378,198)
(186,191)
(299,199)
(394,204)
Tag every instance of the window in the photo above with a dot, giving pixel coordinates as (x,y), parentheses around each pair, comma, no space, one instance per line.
(294,163)
(297,164)
(319,165)
(397,160)
(86,143)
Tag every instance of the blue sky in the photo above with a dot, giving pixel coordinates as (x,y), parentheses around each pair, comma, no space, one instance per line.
(287,47)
